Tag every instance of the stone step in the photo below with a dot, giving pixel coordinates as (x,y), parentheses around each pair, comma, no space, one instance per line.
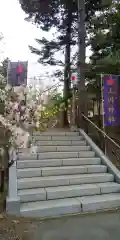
(54,155)
(56,133)
(62,148)
(54,181)
(31,195)
(51,193)
(58,207)
(58,138)
(99,202)
(57,162)
(27,156)
(56,171)
(54,145)
(52,208)
(61,143)
(81,190)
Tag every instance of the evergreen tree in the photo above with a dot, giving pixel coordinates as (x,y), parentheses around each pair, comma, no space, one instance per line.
(105,41)
(62,15)
(105,45)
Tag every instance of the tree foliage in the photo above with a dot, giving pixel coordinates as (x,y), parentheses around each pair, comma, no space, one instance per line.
(102,28)
(3,68)
(105,41)
(59,14)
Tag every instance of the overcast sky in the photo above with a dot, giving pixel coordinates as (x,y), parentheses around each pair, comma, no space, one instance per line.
(18,34)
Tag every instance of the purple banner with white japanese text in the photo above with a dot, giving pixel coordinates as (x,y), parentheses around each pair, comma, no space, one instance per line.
(111,100)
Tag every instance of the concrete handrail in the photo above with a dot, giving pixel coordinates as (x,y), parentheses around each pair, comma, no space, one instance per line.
(12,190)
(13,200)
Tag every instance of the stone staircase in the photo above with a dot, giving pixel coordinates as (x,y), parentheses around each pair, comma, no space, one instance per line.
(65,176)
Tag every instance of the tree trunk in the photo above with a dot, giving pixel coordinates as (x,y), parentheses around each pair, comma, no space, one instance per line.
(67,67)
(66,88)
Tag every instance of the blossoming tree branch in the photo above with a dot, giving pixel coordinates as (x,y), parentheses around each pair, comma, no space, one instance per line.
(24,109)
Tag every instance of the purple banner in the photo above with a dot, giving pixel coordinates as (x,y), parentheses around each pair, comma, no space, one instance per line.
(17,73)
(111,100)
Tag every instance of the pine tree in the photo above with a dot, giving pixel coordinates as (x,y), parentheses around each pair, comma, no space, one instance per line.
(62,15)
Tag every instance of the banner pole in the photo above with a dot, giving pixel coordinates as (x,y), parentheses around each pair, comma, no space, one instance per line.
(103,115)
(8,67)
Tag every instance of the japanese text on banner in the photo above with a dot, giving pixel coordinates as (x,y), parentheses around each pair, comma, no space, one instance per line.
(111,100)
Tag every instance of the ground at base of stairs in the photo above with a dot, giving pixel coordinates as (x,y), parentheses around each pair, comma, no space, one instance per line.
(101,226)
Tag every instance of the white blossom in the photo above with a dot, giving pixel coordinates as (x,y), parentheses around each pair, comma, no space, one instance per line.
(15,113)
(7,87)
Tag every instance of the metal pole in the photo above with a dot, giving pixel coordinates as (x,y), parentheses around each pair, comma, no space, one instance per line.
(73,107)
(103,120)
(103,115)
(73,122)
(81,60)
(8,68)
